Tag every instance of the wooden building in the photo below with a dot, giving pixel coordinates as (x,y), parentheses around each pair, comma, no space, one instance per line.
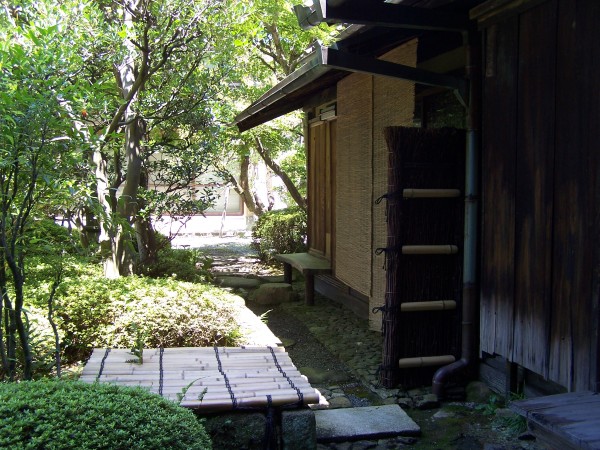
(521,77)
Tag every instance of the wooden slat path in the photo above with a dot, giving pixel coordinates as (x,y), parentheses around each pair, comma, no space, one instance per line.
(225,377)
(566,421)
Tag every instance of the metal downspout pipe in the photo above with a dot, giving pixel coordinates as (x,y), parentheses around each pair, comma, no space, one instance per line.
(469,289)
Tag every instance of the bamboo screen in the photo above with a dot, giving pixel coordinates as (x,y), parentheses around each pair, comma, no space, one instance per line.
(394,104)
(367,104)
(354,185)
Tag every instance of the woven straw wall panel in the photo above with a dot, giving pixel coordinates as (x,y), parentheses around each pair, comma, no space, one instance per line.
(354,182)
(394,104)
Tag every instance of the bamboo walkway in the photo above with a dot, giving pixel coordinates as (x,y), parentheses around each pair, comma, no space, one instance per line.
(209,379)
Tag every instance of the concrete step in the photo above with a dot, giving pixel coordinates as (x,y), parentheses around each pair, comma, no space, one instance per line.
(365,423)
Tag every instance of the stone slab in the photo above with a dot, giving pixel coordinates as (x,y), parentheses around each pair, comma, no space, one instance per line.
(238,282)
(298,430)
(370,422)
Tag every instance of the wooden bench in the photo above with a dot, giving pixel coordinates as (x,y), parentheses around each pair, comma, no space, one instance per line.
(308,265)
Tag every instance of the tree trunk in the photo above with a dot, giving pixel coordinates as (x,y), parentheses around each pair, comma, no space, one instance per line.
(129,79)
(145,233)
(289,184)
(243,188)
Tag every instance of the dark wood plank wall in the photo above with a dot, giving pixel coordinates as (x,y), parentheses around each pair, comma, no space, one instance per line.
(498,188)
(576,224)
(534,184)
(541,131)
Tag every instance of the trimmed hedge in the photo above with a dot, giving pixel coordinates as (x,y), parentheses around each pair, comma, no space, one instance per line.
(72,415)
(280,231)
(101,313)
(95,312)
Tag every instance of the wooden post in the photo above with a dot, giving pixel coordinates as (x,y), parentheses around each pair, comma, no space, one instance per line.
(309,288)
(287,273)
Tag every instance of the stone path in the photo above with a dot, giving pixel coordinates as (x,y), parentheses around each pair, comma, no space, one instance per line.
(340,356)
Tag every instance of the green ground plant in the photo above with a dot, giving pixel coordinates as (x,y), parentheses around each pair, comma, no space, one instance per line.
(67,415)
(91,311)
(94,312)
(513,423)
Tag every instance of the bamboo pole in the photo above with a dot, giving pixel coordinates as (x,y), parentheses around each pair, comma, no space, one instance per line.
(429,249)
(226,405)
(425,361)
(434,305)
(431,193)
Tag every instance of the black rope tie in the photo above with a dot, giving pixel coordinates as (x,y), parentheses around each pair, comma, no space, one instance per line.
(386,250)
(389,196)
(269,425)
(290,382)
(385,310)
(102,363)
(234,402)
(160,371)
(391,254)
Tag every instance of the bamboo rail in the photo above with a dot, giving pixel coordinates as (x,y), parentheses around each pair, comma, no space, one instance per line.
(434,305)
(431,193)
(429,249)
(425,361)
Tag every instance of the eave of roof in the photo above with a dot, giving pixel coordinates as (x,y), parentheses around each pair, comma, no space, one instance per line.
(324,68)
(288,95)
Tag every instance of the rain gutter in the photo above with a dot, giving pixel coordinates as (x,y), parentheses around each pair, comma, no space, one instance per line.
(469,290)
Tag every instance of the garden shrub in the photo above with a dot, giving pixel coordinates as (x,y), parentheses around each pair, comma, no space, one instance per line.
(70,415)
(46,236)
(185,265)
(95,312)
(100,313)
(280,231)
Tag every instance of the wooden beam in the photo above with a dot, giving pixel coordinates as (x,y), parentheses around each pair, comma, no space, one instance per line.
(355,63)
(494,11)
(379,14)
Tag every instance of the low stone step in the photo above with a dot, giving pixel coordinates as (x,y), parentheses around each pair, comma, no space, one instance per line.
(370,422)
(238,282)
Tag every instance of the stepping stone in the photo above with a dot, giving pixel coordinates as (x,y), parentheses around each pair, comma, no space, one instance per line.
(370,422)
(272,278)
(238,282)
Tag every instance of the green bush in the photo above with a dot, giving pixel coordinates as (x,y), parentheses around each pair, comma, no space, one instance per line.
(185,265)
(45,236)
(72,415)
(95,312)
(281,231)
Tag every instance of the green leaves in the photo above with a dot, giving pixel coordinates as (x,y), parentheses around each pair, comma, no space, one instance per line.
(66,415)
(282,231)
(96,312)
